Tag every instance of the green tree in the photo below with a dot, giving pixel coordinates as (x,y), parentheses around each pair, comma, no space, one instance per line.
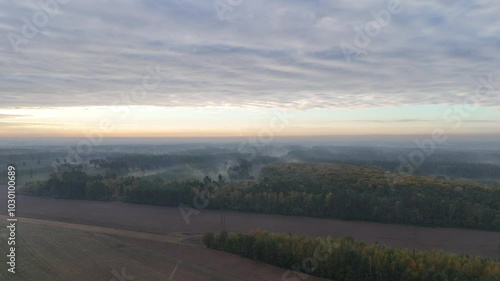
(97,190)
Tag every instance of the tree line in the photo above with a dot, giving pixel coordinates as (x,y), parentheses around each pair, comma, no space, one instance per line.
(319,190)
(71,185)
(346,259)
(447,164)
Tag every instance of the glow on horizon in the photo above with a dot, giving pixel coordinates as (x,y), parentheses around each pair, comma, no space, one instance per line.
(150,121)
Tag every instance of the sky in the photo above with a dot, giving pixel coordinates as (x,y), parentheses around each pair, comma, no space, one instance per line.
(193,68)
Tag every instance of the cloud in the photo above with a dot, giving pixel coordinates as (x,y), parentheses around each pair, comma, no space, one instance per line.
(481,121)
(10,116)
(265,54)
(398,121)
(414,120)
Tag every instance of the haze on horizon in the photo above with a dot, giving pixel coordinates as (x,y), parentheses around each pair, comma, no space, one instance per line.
(180,68)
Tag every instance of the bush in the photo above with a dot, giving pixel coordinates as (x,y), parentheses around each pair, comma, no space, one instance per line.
(208,239)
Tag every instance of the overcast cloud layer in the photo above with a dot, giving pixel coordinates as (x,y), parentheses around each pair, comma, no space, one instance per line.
(263,53)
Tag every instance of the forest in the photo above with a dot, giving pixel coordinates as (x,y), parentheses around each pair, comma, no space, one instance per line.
(319,190)
(479,166)
(188,162)
(351,260)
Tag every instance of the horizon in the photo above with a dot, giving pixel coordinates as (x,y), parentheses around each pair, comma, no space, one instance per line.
(453,141)
(301,69)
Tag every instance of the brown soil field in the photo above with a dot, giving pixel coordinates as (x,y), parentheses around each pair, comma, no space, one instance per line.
(168,220)
(57,251)
(53,251)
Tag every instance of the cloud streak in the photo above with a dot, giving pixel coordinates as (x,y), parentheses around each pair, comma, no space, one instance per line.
(415,121)
(267,54)
(11,116)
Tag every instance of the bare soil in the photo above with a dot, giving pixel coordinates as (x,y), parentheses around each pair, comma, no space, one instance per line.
(51,250)
(169,221)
